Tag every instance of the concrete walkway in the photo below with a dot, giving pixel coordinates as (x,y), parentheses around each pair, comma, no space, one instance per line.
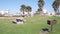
(43,32)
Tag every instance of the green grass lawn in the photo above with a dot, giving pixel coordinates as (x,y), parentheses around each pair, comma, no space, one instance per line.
(33,25)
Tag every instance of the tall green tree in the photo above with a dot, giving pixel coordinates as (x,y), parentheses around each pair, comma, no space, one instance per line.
(29,9)
(56,5)
(40,5)
(23,8)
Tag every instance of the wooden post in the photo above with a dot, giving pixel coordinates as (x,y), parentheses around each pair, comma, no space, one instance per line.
(51,28)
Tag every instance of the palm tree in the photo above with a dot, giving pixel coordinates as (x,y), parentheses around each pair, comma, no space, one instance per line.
(23,8)
(56,5)
(38,11)
(40,5)
(29,9)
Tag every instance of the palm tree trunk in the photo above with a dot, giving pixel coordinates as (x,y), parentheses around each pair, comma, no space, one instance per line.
(28,13)
(58,11)
(55,12)
(23,13)
(41,12)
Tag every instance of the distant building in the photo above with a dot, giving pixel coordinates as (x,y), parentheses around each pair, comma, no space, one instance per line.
(4,13)
(58,14)
(26,13)
(16,15)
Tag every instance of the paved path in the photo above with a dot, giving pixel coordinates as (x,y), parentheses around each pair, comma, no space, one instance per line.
(43,32)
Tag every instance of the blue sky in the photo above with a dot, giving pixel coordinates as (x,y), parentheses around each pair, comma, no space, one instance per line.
(14,5)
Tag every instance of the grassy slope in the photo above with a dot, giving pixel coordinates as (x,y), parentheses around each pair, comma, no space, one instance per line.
(33,26)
